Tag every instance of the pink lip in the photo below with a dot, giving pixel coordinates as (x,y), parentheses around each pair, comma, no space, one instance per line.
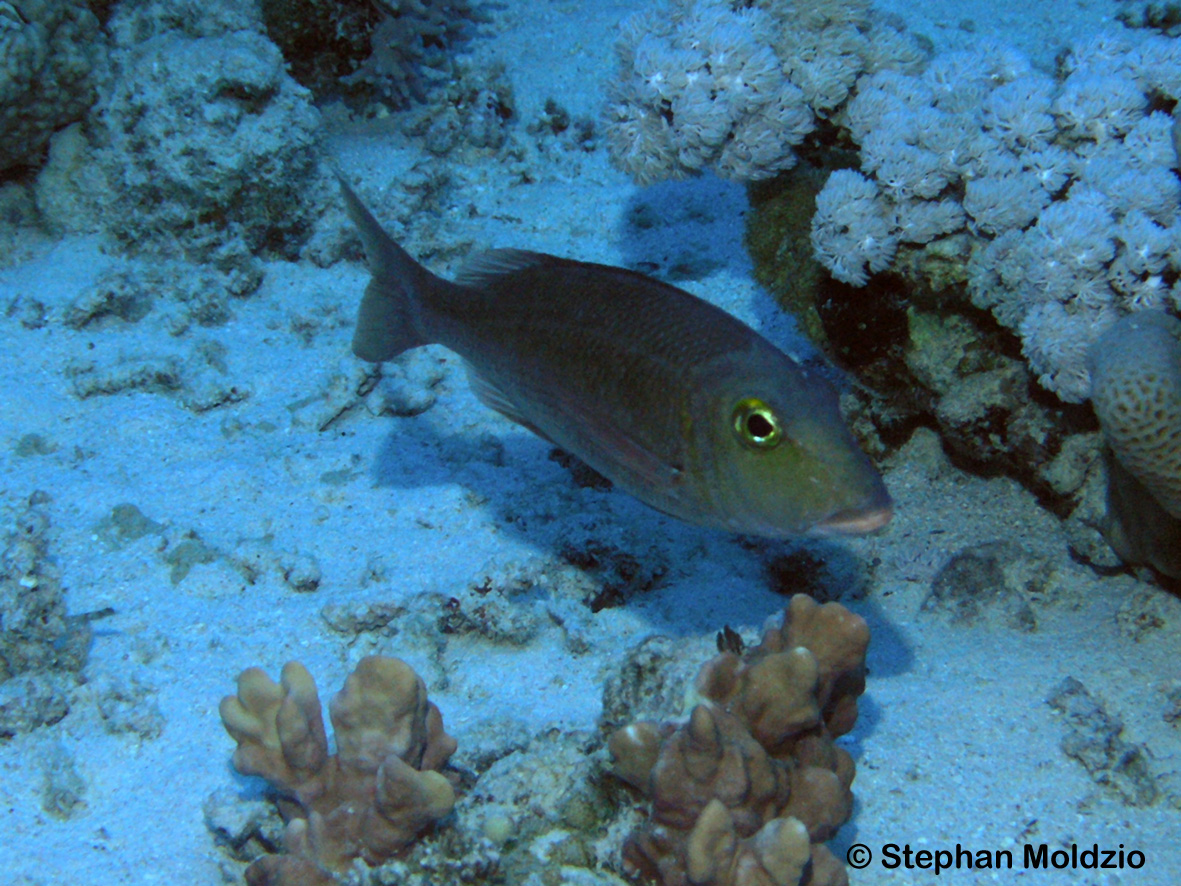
(855,522)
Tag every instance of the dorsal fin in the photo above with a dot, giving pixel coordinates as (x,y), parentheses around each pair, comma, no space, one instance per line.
(480,269)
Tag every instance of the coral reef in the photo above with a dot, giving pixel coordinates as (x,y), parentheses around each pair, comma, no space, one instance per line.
(997,220)
(994,221)
(370,799)
(391,51)
(746,791)
(219,157)
(1135,369)
(778,222)
(704,84)
(180,157)
(471,110)
(52,56)
(1059,192)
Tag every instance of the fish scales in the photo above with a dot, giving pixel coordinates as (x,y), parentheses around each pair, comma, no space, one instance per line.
(615,338)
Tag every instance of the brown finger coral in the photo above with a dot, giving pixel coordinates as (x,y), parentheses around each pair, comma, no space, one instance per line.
(371,798)
(745,792)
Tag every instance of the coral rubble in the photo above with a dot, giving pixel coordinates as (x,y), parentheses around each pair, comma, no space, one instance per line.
(42,647)
(746,791)
(1094,738)
(370,799)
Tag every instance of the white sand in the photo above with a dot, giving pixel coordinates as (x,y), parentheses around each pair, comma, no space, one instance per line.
(956,741)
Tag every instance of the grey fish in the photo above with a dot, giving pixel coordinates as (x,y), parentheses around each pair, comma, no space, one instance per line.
(669,397)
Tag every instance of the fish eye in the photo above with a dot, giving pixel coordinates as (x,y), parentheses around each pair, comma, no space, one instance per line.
(756,424)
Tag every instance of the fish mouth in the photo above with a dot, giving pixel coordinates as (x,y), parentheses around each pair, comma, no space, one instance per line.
(855,522)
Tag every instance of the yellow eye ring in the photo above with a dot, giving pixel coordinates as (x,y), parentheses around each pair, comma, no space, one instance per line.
(756,425)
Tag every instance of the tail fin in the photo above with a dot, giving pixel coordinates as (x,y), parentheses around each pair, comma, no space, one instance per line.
(389,321)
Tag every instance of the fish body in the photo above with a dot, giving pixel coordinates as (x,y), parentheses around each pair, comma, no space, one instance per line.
(671,398)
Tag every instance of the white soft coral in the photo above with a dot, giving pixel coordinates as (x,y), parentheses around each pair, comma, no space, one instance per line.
(853,231)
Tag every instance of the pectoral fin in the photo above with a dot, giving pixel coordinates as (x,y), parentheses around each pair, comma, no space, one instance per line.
(594,438)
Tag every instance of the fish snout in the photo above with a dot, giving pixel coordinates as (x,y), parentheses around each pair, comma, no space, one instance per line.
(856,521)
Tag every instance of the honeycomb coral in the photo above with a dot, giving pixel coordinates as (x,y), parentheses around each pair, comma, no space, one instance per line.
(747,789)
(371,798)
(1135,370)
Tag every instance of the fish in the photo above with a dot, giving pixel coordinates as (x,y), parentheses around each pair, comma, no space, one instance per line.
(669,397)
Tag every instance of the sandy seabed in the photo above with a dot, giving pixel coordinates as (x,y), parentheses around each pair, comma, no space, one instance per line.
(303,499)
